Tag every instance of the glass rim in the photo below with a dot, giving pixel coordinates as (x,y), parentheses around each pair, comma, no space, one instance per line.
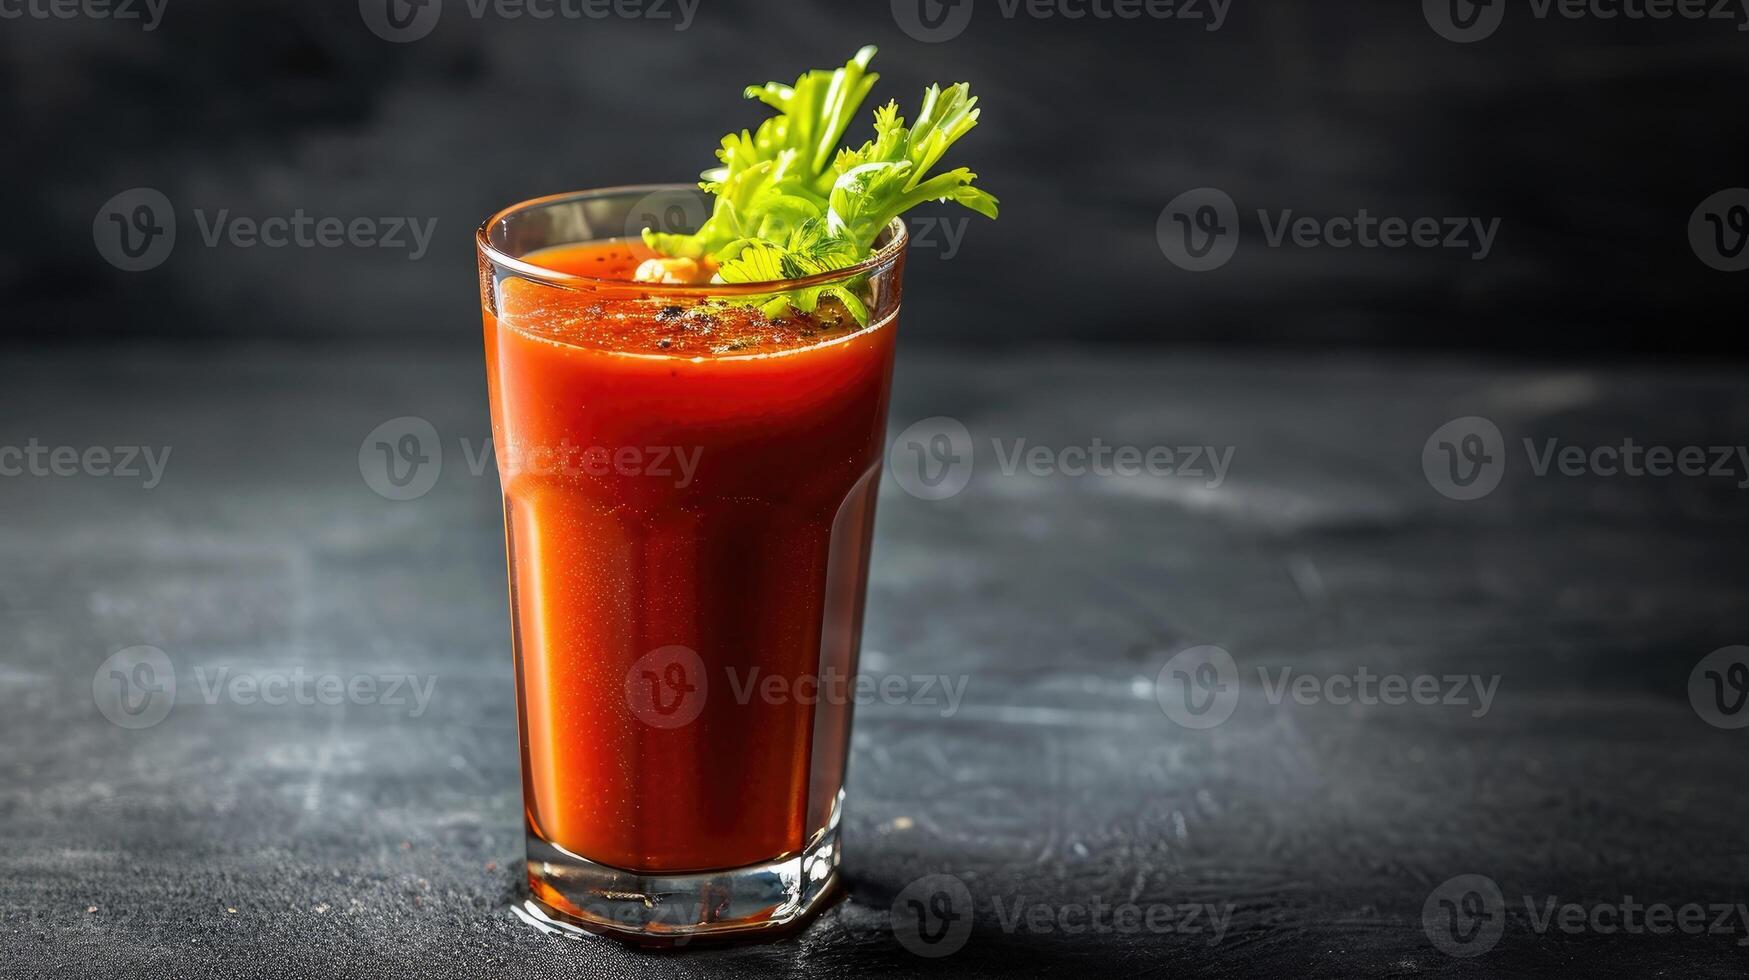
(898,238)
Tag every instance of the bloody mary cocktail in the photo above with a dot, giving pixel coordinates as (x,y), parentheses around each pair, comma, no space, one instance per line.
(689,488)
(689,391)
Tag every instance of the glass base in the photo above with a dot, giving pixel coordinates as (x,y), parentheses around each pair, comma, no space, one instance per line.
(571,893)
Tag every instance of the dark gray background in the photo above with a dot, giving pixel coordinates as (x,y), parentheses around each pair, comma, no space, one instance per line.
(235,840)
(1592,141)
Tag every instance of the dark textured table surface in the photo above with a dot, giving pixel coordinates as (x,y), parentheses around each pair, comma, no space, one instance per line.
(236,839)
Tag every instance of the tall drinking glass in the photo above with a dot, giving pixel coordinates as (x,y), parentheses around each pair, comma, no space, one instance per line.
(687,525)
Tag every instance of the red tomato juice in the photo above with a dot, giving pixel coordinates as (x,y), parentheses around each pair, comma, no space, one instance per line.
(681,479)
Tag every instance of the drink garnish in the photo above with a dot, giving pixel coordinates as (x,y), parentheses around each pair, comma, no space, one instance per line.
(791,203)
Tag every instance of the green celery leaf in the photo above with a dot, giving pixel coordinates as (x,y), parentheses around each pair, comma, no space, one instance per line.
(791,203)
